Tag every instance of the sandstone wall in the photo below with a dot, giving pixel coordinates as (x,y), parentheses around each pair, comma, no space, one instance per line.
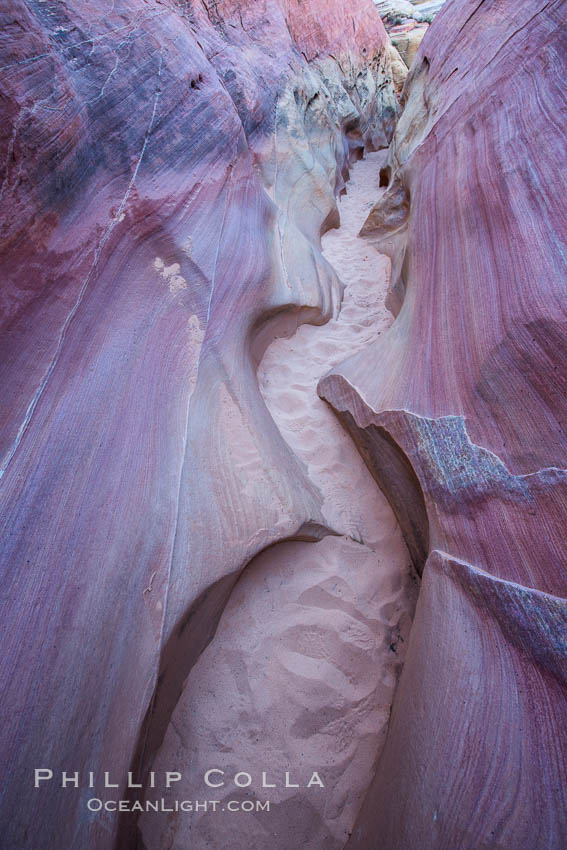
(167,170)
(460,411)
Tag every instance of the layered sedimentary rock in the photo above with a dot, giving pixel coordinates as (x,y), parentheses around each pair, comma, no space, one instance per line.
(407,24)
(196,562)
(460,412)
(406,27)
(429,8)
(418,10)
(406,38)
(168,169)
(397,8)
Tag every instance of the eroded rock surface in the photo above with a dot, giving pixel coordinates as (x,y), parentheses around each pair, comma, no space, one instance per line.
(399,69)
(459,411)
(406,38)
(418,10)
(195,558)
(167,169)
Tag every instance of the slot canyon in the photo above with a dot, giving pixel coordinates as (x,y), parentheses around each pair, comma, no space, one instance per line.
(283,469)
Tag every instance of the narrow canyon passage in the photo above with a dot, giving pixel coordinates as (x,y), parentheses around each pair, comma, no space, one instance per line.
(219,633)
(291,369)
(302,670)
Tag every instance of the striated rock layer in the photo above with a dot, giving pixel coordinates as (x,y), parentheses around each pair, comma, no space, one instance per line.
(167,171)
(406,39)
(459,411)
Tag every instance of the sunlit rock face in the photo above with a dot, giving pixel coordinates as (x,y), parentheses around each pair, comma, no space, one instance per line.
(407,23)
(399,69)
(406,38)
(428,8)
(460,411)
(416,9)
(397,9)
(167,170)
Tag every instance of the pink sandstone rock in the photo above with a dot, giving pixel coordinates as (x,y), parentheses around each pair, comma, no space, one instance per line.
(460,411)
(195,560)
(167,171)
(405,27)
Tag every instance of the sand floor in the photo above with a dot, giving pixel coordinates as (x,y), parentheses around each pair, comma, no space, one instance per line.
(291,369)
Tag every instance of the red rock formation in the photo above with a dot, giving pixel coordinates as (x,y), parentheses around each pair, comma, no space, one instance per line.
(168,168)
(460,412)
